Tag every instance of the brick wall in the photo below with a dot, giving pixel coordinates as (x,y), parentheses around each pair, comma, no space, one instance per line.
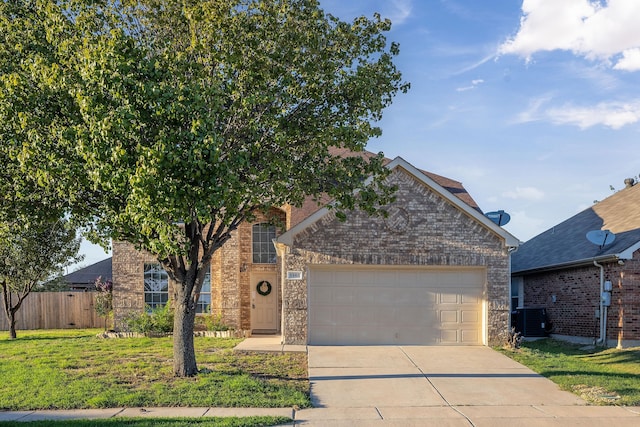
(128,281)
(231,267)
(577,297)
(424,230)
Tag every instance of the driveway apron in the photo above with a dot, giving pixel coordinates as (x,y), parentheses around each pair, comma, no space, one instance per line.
(421,376)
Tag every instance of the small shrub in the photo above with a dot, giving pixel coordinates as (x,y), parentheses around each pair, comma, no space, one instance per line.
(157,320)
(213,322)
(103,301)
(513,339)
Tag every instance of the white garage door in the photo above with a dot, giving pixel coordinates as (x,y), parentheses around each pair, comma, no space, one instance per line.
(358,306)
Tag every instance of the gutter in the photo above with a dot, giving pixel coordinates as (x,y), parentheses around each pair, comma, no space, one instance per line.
(576,263)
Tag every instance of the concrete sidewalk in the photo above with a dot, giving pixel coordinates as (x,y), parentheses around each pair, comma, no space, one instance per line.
(91,414)
(442,416)
(269,344)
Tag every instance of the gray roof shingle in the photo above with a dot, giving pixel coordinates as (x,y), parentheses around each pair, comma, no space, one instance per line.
(566,243)
(88,275)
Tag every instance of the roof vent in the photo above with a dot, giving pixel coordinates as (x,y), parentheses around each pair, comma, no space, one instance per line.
(629,182)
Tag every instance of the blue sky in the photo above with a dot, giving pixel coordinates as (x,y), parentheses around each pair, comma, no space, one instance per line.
(534,106)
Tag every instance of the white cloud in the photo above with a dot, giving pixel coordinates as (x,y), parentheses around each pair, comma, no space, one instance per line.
(474,84)
(596,31)
(532,113)
(475,64)
(614,115)
(401,11)
(524,193)
(611,114)
(630,60)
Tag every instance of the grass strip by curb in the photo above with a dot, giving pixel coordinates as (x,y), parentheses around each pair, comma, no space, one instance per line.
(600,376)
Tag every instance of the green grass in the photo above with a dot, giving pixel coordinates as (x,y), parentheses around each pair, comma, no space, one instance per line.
(600,376)
(153,422)
(69,369)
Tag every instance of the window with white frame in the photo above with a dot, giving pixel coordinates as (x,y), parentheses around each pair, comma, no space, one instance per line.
(156,289)
(156,286)
(204,301)
(263,250)
(517,292)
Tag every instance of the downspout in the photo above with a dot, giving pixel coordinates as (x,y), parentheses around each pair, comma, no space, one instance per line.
(603,314)
(281,251)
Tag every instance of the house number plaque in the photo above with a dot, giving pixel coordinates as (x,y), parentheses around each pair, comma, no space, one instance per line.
(294,275)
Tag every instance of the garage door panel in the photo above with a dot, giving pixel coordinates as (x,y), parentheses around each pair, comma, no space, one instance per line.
(321,295)
(365,278)
(470,299)
(469,336)
(368,306)
(322,316)
(470,316)
(323,276)
(408,279)
(363,317)
(384,278)
(446,298)
(343,296)
(449,336)
(449,316)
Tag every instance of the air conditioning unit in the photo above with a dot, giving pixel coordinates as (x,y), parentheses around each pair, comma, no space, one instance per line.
(531,322)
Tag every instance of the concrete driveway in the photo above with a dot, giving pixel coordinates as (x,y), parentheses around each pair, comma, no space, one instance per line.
(446,386)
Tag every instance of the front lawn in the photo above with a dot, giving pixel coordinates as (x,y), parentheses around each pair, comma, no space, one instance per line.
(600,376)
(68,369)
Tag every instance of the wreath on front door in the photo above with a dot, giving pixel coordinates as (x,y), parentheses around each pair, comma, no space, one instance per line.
(266,291)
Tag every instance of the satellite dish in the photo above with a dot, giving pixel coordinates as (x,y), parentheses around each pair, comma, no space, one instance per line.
(601,237)
(499,217)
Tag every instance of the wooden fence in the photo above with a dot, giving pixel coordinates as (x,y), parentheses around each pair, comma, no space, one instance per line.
(55,310)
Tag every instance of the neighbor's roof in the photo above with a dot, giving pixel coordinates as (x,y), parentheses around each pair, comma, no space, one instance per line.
(88,275)
(310,206)
(566,244)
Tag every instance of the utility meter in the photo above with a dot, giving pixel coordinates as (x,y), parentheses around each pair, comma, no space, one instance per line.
(606,299)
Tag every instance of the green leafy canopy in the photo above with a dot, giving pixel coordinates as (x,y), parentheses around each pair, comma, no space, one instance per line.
(155,112)
(167,123)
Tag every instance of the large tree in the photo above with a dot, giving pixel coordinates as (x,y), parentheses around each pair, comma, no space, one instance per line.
(181,119)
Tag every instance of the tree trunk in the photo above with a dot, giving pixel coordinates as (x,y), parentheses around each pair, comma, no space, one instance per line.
(184,353)
(9,310)
(12,325)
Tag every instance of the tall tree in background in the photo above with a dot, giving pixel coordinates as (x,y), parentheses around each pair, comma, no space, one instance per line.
(168,123)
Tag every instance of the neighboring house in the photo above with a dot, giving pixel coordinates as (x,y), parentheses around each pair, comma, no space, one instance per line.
(84,279)
(562,271)
(436,271)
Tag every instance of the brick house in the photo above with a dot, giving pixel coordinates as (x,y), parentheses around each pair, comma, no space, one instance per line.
(436,271)
(565,273)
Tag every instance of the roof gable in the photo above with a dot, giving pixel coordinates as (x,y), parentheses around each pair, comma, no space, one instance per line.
(566,244)
(398,162)
(310,206)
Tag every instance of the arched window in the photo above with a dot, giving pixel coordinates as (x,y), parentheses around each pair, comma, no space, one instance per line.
(263,250)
